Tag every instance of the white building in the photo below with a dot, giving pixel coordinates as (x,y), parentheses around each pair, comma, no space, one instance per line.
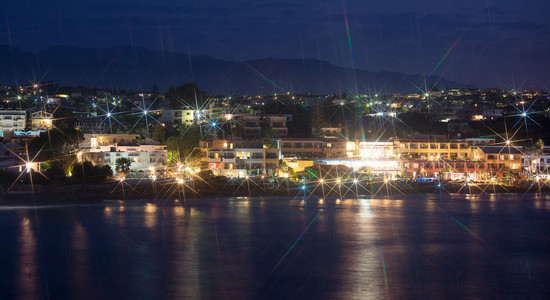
(12,120)
(536,163)
(143,157)
(41,120)
(185,116)
(238,162)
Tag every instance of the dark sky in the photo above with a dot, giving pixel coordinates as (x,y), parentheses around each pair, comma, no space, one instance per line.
(499,43)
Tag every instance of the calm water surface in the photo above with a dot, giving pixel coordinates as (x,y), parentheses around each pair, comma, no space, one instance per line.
(423,247)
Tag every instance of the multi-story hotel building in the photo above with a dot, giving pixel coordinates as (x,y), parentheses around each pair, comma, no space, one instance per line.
(502,161)
(12,120)
(238,158)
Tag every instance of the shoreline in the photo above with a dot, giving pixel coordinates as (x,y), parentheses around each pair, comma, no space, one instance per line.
(164,191)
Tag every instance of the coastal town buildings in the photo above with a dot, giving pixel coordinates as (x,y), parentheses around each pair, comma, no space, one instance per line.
(239,158)
(184,116)
(105,149)
(41,120)
(503,161)
(12,120)
(142,157)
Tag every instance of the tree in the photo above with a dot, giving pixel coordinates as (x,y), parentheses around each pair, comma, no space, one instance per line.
(533,153)
(87,172)
(318,121)
(267,138)
(188,94)
(122,166)
(155,89)
(185,141)
(159,134)
(55,143)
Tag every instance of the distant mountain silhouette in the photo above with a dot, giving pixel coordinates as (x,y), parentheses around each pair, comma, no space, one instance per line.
(137,68)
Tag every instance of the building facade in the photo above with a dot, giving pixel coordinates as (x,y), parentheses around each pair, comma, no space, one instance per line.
(143,157)
(12,120)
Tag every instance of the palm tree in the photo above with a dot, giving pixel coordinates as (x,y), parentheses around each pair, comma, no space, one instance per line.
(533,153)
(123,166)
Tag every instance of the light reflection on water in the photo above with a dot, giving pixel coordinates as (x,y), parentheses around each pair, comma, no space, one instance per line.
(369,248)
(28,281)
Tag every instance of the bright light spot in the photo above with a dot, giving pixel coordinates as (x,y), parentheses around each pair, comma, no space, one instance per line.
(524,114)
(338,181)
(108,115)
(386,180)
(303,187)
(507,142)
(144,112)
(28,166)
(355,181)
(214,124)
(341,103)
(321,180)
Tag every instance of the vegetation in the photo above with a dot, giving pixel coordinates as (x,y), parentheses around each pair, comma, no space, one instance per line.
(122,166)
(86,171)
(318,120)
(56,143)
(188,94)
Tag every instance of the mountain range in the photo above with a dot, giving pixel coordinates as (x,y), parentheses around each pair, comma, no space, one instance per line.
(135,68)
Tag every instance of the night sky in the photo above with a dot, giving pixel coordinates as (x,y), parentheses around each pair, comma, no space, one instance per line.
(488,43)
